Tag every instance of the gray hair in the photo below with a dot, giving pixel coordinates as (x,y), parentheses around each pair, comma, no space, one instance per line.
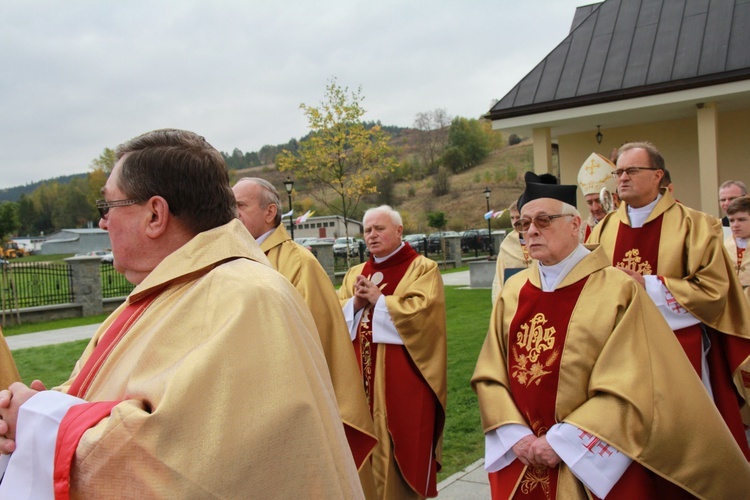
(268,196)
(386,209)
(739,184)
(569,209)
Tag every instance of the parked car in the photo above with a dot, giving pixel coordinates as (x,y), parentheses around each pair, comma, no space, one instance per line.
(475,239)
(433,241)
(416,241)
(306,242)
(339,247)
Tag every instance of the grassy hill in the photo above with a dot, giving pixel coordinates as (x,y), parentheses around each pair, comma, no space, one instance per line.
(464,206)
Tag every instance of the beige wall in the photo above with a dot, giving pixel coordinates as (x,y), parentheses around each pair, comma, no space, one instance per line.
(677,141)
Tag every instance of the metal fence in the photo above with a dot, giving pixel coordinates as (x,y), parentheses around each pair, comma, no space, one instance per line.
(31,284)
(114,284)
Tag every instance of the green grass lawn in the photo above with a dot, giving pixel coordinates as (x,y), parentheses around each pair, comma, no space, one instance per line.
(468,313)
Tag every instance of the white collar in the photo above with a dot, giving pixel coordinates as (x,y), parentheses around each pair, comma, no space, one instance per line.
(260,239)
(552,276)
(638,216)
(378,260)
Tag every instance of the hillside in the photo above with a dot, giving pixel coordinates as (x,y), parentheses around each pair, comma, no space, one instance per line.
(464,206)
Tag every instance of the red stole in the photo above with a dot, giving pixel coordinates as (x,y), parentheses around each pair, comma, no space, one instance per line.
(82,417)
(414,414)
(106,344)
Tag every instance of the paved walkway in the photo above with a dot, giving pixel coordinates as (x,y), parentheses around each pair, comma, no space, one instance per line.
(468,484)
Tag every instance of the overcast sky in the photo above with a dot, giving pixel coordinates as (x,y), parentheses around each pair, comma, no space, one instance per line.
(78,76)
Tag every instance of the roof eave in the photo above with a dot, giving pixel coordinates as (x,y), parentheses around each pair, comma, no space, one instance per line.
(621,94)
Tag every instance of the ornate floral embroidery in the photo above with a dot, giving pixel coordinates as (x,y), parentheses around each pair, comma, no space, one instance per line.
(533,338)
(535,476)
(632,261)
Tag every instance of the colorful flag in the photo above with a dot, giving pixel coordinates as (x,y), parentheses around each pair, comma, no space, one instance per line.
(488,215)
(500,213)
(303,218)
(288,214)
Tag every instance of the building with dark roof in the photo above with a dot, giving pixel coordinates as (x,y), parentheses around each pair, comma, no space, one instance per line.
(672,72)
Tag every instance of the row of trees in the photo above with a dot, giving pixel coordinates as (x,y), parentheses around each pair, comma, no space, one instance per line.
(344,162)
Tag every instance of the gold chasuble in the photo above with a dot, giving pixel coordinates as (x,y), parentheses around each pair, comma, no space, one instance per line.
(405,384)
(683,248)
(605,363)
(304,271)
(8,370)
(217,388)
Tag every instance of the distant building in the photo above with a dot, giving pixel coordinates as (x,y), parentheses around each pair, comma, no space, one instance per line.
(672,72)
(76,241)
(326,226)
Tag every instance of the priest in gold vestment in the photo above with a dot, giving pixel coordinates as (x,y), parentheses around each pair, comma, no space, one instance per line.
(259,209)
(208,382)
(577,380)
(395,308)
(676,253)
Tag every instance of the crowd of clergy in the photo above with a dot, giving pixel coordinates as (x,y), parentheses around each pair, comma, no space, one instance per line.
(616,363)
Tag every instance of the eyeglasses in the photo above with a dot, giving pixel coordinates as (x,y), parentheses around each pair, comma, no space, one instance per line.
(103,205)
(540,222)
(631,171)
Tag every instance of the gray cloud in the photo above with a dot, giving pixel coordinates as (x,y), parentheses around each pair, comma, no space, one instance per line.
(79,76)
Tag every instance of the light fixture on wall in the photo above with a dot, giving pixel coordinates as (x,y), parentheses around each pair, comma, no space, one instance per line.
(599,135)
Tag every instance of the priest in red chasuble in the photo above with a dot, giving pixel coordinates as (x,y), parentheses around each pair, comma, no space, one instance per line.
(676,254)
(395,308)
(583,388)
(208,382)
(259,209)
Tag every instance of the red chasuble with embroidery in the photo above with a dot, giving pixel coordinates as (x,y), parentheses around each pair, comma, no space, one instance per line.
(536,342)
(414,413)
(637,249)
(535,345)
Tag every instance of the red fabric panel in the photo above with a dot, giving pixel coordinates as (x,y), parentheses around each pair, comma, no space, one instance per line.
(691,340)
(725,395)
(504,482)
(76,421)
(637,249)
(415,417)
(106,344)
(360,443)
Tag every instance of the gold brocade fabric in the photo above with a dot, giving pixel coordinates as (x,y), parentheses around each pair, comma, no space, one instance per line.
(417,308)
(692,260)
(511,255)
(224,387)
(8,370)
(304,271)
(741,267)
(624,379)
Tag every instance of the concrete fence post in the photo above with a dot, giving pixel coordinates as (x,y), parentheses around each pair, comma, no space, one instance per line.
(87,283)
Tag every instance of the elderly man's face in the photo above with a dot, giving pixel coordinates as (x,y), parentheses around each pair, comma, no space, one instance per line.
(127,230)
(641,188)
(256,219)
(552,244)
(595,206)
(727,194)
(382,235)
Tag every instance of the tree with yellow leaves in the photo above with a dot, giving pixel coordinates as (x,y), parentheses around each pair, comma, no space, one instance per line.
(342,159)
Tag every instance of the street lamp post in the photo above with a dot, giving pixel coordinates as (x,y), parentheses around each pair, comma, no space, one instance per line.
(489,220)
(289,185)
